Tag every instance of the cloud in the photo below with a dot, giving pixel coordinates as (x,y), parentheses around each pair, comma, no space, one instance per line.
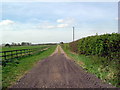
(62,25)
(66,20)
(50,27)
(60,21)
(36,36)
(6,22)
(45,25)
(11,25)
(8,25)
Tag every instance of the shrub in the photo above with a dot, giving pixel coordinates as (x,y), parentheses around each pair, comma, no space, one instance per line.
(107,45)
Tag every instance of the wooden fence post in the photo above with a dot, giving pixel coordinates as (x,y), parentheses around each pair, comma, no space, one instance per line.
(21,53)
(29,51)
(16,54)
(11,55)
(5,55)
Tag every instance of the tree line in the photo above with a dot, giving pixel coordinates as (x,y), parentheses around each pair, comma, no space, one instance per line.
(18,44)
(27,44)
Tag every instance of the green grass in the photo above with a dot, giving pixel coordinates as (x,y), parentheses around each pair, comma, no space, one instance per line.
(21,47)
(0,76)
(20,54)
(0,69)
(14,71)
(107,72)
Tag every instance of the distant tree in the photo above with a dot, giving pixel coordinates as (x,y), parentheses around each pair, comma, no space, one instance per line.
(96,33)
(25,43)
(61,43)
(19,44)
(14,44)
(7,45)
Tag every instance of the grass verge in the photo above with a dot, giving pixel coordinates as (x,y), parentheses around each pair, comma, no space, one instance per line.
(15,70)
(108,73)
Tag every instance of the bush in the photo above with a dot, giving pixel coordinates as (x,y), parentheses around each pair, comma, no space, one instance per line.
(107,45)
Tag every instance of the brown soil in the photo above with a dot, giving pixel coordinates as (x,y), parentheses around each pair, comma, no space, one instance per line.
(58,71)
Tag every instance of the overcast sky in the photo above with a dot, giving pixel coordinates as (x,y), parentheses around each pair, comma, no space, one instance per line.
(41,22)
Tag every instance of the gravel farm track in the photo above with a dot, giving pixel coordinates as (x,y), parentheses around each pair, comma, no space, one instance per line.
(59,71)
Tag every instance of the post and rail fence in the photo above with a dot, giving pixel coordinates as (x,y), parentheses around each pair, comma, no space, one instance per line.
(12,54)
(15,54)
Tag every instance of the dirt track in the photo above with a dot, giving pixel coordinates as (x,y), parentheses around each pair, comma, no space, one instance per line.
(58,71)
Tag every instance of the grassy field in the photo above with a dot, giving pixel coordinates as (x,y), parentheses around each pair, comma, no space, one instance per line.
(20,47)
(93,64)
(15,70)
(10,56)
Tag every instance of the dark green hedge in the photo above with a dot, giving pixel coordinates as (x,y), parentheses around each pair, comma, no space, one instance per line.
(107,45)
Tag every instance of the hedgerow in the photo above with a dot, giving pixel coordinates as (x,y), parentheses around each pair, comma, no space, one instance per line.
(107,45)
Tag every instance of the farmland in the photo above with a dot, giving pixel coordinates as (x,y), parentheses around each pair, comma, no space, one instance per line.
(13,52)
(99,54)
(21,47)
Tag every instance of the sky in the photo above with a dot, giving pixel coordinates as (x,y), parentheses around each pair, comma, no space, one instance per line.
(46,22)
(60,0)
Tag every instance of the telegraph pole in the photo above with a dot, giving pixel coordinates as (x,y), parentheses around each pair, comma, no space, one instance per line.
(73,34)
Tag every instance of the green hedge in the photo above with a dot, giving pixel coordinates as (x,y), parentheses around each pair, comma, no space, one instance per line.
(107,45)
